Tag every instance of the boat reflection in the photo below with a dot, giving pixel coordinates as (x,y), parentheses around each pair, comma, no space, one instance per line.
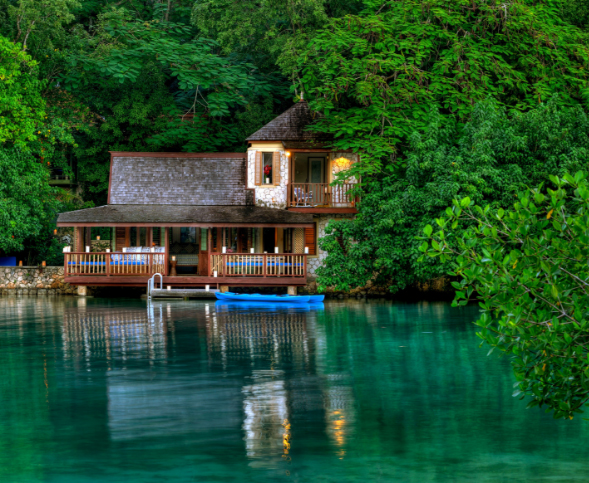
(225,306)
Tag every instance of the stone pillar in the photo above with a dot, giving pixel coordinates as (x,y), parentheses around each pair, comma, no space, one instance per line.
(291,290)
(82,290)
(224,288)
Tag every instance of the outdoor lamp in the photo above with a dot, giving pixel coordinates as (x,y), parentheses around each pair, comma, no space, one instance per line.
(98,238)
(307,250)
(288,153)
(43,263)
(87,249)
(224,249)
(214,273)
(275,249)
(341,162)
(251,250)
(207,289)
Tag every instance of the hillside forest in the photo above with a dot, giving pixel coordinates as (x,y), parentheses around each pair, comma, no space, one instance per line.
(442,99)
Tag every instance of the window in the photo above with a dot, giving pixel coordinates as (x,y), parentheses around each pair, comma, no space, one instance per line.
(188,235)
(267,168)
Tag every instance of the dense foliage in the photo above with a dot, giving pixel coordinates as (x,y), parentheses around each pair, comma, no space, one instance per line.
(528,268)
(21,104)
(377,75)
(27,202)
(490,159)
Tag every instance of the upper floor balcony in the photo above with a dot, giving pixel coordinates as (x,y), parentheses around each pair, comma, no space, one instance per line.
(321,197)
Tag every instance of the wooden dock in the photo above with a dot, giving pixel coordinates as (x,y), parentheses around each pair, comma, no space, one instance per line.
(183,293)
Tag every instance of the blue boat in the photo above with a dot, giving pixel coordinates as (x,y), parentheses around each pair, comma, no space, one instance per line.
(316,299)
(256,297)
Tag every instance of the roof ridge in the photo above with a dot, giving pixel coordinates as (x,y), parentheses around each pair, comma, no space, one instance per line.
(290,125)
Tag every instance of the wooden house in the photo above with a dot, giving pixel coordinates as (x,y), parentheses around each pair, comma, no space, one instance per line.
(226,219)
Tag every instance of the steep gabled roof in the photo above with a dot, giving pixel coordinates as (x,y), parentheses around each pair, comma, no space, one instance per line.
(290,126)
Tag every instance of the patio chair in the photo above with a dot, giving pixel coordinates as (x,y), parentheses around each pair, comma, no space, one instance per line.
(305,196)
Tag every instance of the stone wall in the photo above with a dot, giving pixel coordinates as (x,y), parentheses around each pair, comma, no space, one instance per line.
(34,281)
(269,196)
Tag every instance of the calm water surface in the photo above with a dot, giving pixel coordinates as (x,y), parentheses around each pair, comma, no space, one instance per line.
(118,391)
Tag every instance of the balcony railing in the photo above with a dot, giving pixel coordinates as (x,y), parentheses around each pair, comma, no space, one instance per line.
(258,265)
(113,263)
(321,195)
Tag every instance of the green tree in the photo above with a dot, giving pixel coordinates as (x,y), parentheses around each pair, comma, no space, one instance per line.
(376,75)
(27,203)
(528,268)
(269,33)
(490,159)
(22,109)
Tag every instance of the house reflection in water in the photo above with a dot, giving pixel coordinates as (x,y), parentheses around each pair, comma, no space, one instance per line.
(113,334)
(205,373)
(268,340)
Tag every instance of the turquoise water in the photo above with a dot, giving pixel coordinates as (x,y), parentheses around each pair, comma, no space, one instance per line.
(117,391)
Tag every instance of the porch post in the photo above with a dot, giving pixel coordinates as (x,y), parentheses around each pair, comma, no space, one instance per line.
(167,245)
(88,237)
(79,239)
(149,236)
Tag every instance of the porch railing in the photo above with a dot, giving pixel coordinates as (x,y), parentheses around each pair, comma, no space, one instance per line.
(259,265)
(320,195)
(113,263)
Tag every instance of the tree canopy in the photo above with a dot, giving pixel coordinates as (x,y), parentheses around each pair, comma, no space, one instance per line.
(22,107)
(490,159)
(376,75)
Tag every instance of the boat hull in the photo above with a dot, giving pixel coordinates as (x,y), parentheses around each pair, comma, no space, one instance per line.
(316,299)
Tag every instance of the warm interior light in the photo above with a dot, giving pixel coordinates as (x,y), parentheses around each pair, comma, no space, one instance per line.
(288,153)
(342,162)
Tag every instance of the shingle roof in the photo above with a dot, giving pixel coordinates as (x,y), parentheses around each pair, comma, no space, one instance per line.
(290,126)
(177,179)
(112,215)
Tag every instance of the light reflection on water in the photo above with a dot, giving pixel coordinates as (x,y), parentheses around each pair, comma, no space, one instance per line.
(99,390)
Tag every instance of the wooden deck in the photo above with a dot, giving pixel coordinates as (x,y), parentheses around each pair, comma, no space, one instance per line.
(186,281)
(236,269)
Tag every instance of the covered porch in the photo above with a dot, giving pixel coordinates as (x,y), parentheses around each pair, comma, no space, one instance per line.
(190,246)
